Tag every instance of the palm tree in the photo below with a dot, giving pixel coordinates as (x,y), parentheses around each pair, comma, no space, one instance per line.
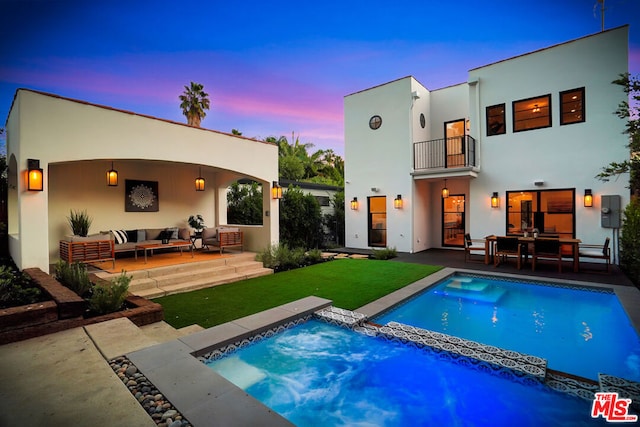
(194,101)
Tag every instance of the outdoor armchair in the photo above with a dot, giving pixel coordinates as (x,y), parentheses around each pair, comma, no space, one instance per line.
(506,247)
(596,251)
(471,245)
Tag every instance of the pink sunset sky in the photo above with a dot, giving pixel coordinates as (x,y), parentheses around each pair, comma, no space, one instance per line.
(274,69)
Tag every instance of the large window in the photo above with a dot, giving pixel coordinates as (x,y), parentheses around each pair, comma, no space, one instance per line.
(496,124)
(572,106)
(552,212)
(532,113)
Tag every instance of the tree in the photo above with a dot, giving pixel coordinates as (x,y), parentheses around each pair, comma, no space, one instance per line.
(300,220)
(630,113)
(194,103)
(244,204)
(334,222)
(236,132)
(630,241)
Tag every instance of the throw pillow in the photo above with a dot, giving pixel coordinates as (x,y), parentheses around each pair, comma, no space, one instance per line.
(132,235)
(142,235)
(165,234)
(120,236)
(183,234)
(172,232)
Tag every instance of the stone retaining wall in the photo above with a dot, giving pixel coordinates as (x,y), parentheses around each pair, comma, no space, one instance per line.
(65,311)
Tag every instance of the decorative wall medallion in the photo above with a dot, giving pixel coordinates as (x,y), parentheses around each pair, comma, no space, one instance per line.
(375,122)
(423,121)
(141,196)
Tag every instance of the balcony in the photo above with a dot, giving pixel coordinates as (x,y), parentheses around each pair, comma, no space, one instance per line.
(446,155)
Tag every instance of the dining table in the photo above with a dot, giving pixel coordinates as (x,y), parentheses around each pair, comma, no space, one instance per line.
(573,243)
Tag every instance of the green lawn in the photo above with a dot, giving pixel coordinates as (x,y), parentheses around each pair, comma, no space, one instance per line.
(348,283)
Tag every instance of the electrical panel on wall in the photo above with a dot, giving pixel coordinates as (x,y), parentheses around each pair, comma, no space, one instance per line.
(610,211)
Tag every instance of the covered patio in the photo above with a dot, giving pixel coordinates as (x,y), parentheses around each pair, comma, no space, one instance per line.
(75,144)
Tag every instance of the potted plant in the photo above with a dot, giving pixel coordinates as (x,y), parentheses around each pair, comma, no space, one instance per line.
(79,221)
(197,223)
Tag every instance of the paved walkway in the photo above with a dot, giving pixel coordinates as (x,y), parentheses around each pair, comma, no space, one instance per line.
(62,380)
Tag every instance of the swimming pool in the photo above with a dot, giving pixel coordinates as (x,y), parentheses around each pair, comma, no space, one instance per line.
(581,331)
(321,374)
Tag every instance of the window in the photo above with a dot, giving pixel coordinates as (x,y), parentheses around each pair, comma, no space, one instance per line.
(532,113)
(323,201)
(496,120)
(375,122)
(552,212)
(572,106)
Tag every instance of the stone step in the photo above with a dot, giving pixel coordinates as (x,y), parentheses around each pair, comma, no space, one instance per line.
(245,269)
(155,291)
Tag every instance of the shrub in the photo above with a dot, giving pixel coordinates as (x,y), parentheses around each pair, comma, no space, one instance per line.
(630,241)
(282,258)
(16,288)
(268,257)
(109,297)
(74,276)
(314,256)
(386,253)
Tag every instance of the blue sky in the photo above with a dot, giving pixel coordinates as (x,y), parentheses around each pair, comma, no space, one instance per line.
(273,68)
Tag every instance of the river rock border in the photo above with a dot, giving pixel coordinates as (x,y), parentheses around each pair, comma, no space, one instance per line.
(161,411)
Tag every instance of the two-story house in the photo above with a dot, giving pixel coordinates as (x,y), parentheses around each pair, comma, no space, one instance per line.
(515,147)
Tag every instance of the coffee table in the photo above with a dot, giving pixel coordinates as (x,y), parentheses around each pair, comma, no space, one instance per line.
(150,247)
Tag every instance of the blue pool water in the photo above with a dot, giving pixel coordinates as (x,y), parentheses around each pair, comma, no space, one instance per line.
(320,374)
(578,331)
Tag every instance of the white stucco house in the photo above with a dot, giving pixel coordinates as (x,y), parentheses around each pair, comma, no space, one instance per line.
(76,143)
(532,130)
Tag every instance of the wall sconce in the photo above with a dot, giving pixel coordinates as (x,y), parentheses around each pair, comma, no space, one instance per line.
(397,202)
(276,191)
(200,181)
(34,175)
(495,200)
(445,190)
(354,204)
(112,177)
(588,198)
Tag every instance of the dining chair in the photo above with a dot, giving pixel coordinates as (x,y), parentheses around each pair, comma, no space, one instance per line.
(596,251)
(549,249)
(506,247)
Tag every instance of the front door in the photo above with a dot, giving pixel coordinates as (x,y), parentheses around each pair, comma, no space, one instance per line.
(453,220)
(378,221)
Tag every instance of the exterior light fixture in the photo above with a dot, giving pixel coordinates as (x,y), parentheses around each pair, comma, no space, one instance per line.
(112,177)
(397,202)
(276,191)
(495,200)
(588,198)
(200,181)
(445,190)
(34,175)
(354,204)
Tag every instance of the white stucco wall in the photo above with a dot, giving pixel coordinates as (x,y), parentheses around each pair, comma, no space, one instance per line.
(75,143)
(566,156)
(380,159)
